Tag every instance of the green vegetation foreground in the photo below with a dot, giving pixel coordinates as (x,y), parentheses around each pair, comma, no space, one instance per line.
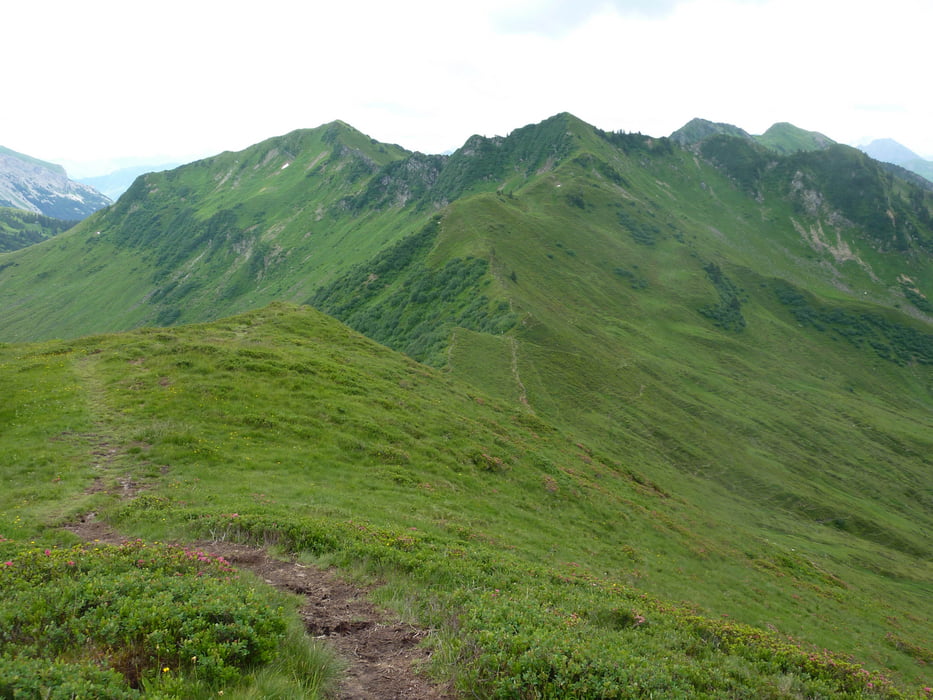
(282,427)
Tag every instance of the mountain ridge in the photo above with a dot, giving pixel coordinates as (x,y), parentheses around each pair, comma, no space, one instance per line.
(532,555)
(781,137)
(356,174)
(890,151)
(745,333)
(115,183)
(44,188)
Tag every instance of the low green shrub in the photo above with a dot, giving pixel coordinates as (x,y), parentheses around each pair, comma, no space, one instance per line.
(522,631)
(55,680)
(110,617)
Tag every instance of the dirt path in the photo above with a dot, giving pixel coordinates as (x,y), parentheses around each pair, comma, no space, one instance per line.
(513,347)
(382,654)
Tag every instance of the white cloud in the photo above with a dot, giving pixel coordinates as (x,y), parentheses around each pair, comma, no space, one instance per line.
(176,80)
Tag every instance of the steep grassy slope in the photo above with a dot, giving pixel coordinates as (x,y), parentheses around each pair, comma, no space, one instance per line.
(748,348)
(732,347)
(224,234)
(787,138)
(527,551)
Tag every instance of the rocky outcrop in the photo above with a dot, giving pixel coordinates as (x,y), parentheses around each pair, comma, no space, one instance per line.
(44,188)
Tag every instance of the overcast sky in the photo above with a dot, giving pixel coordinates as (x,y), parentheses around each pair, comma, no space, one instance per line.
(87,83)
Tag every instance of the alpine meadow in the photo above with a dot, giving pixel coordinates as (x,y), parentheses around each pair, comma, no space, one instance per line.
(602,415)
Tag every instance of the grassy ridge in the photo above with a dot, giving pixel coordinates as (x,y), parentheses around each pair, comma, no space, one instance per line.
(290,216)
(541,550)
(795,426)
(209,239)
(695,382)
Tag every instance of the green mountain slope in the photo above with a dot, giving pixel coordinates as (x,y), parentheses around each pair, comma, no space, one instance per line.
(755,353)
(19,228)
(741,335)
(288,215)
(528,551)
(786,138)
(208,239)
(783,138)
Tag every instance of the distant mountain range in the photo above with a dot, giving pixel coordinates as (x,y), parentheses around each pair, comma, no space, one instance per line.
(788,139)
(890,151)
(116,183)
(44,188)
(782,137)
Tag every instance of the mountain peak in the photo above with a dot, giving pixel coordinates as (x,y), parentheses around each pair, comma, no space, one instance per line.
(784,137)
(54,167)
(889,151)
(697,130)
(44,188)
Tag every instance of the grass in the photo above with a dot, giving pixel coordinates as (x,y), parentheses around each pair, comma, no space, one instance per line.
(533,554)
(19,229)
(219,236)
(694,462)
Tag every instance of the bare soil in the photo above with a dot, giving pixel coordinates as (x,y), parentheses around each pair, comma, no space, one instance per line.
(382,654)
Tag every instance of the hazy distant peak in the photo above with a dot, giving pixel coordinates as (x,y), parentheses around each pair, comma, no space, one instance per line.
(115,183)
(697,130)
(784,137)
(33,161)
(33,185)
(889,151)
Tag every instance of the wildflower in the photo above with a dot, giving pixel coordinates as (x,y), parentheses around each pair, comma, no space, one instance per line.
(165,669)
(71,563)
(48,552)
(8,563)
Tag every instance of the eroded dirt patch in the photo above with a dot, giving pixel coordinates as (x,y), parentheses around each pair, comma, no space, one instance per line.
(382,654)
